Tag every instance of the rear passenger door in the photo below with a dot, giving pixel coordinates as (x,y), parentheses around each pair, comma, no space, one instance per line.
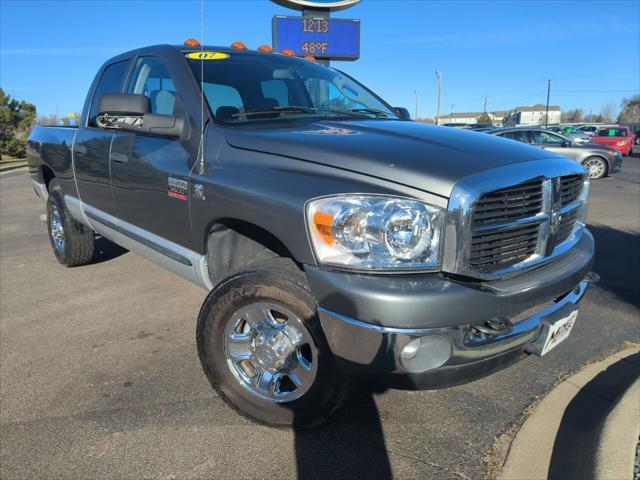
(150,173)
(92,144)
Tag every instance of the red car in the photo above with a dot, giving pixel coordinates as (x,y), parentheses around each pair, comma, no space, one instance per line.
(616,137)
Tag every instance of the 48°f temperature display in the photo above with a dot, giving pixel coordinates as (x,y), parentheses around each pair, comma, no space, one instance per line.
(323,38)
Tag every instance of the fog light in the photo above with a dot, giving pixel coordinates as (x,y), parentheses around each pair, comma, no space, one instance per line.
(425,353)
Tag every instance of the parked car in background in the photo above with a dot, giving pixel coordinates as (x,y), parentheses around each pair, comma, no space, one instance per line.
(589,129)
(616,137)
(598,160)
(572,132)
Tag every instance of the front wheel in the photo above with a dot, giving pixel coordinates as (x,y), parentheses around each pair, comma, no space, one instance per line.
(596,167)
(261,346)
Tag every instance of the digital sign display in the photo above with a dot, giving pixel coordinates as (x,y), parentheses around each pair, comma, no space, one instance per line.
(322,38)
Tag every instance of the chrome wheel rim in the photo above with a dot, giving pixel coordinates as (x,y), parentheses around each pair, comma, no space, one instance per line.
(270,352)
(57,229)
(595,168)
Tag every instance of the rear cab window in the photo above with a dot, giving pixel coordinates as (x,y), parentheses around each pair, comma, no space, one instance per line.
(151,78)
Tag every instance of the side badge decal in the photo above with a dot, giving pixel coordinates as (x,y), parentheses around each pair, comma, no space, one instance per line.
(178,188)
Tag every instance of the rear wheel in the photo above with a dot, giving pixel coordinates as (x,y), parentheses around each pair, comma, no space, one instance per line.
(262,348)
(596,167)
(73,244)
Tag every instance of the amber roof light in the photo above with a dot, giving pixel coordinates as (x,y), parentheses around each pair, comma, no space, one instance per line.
(265,49)
(311,58)
(238,46)
(191,42)
(288,52)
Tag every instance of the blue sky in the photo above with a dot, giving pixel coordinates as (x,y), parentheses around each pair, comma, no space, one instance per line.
(50,50)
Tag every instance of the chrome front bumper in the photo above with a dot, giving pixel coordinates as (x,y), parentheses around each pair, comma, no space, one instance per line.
(364,349)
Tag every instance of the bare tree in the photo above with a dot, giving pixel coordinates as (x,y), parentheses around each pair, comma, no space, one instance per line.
(608,111)
(630,112)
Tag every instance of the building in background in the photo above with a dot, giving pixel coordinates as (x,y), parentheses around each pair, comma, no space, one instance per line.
(533,115)
(472,117)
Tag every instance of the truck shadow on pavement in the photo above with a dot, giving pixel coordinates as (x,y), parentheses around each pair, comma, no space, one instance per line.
(351,444)
(106,250)
(578,437)
(617,260)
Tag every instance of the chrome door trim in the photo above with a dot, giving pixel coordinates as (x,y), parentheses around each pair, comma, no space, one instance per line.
(176,258)
(41,190)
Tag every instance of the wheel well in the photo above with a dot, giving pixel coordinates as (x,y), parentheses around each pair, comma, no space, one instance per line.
(233,245)
(47,176)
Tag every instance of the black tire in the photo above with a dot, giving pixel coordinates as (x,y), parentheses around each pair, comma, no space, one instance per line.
(596,173)
(279,282)
(78,242)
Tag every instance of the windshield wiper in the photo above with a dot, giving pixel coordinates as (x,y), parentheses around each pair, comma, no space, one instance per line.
(281,110)
(373,111)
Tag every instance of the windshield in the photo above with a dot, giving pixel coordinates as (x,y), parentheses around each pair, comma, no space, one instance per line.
(245,87)
(612,132)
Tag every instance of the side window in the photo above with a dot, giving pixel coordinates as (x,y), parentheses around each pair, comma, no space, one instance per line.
(520,136)
(111,81)
(546,138)
(276,90)
(151,78)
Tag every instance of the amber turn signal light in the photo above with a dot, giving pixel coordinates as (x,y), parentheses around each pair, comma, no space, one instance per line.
(238,46)
(191,42)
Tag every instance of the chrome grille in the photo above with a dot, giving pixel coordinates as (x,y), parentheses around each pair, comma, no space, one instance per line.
(498,249)
(570,189)
(567,221)
(508,204)
(513,224)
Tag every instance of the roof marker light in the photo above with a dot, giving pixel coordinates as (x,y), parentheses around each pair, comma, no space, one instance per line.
(238,46)
(311,58)
(288,52)
(191,42)
(265,49)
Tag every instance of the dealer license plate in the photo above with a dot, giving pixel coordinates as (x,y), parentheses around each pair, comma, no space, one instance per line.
(558,332)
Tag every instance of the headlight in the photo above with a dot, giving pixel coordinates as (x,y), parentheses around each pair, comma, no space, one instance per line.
(375,232)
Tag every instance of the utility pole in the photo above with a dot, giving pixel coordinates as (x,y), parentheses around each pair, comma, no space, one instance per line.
(546,114)
(485,104)
(416,94)
(439,76)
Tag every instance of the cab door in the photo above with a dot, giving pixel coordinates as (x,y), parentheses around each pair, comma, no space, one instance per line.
(150,173)
(92,145)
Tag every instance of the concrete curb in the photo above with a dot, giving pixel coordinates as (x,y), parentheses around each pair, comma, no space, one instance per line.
(12,166)
(586,427)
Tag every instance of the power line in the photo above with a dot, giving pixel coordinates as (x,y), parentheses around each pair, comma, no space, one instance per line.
(598,91)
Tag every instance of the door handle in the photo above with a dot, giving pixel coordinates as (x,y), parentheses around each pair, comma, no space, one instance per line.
(81,149)
(119,157)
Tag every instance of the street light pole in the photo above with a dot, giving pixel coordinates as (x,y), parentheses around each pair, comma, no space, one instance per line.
(416,112)
(546,114)
(439,76)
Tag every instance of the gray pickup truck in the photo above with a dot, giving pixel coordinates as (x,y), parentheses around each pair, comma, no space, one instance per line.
(337,238)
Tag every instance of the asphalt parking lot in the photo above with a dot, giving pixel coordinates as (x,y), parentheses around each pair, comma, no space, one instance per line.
(99,375)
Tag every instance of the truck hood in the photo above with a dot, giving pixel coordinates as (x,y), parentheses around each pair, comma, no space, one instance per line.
(421,156)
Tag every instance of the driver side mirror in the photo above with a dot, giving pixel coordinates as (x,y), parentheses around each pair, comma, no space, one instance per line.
(403,113)
(132,113)
(567,143)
